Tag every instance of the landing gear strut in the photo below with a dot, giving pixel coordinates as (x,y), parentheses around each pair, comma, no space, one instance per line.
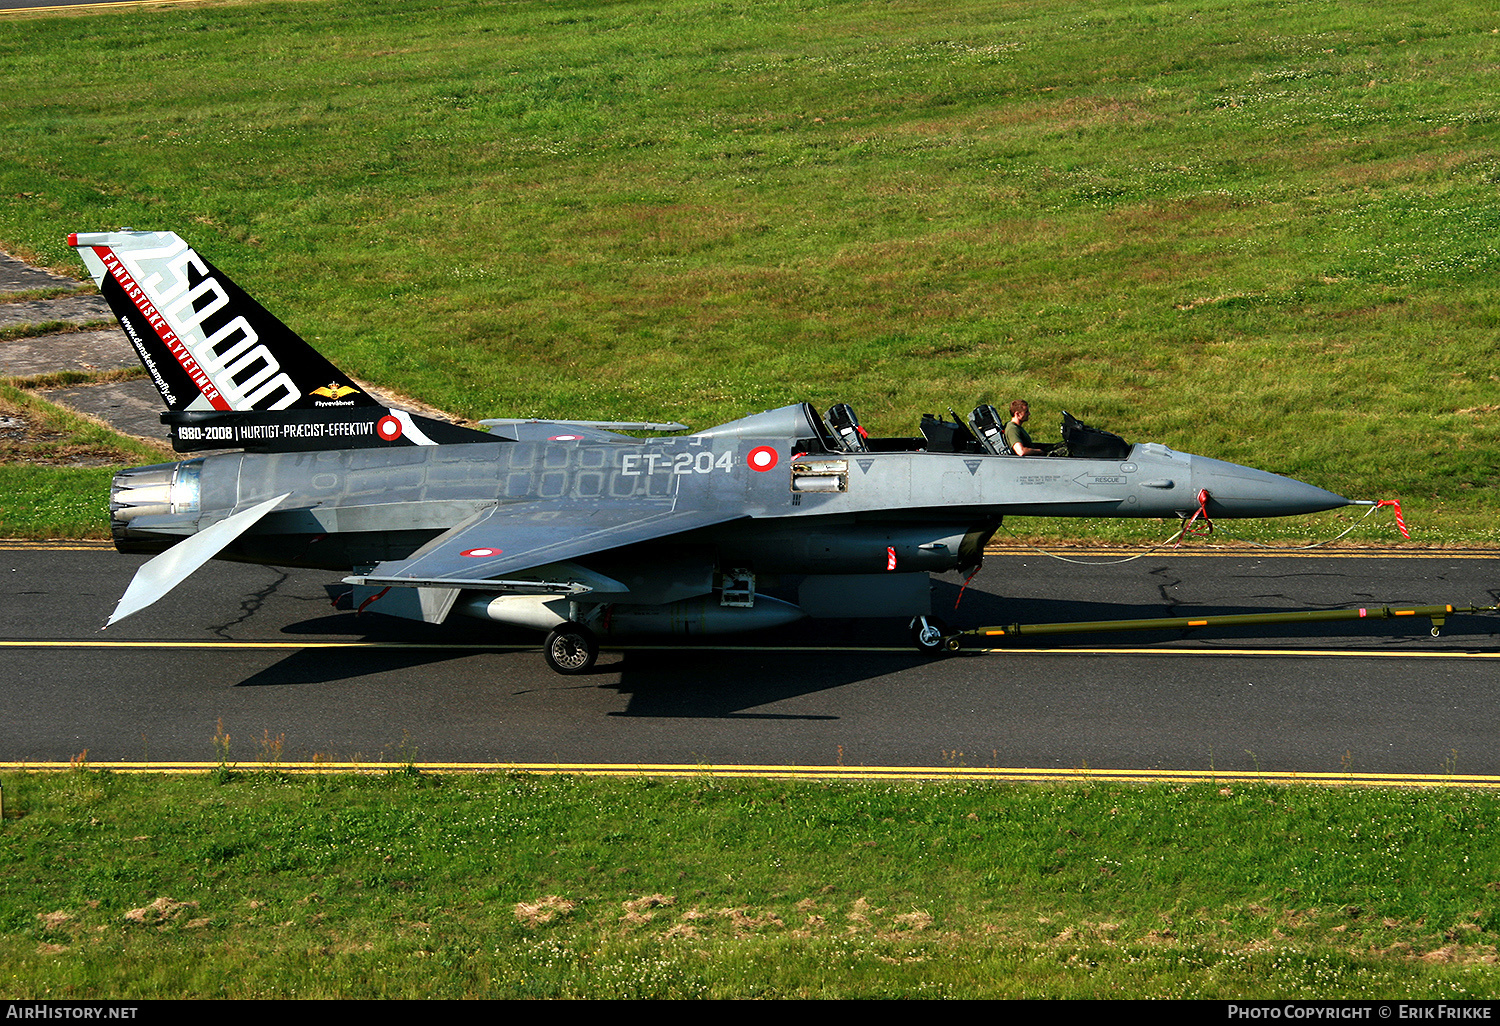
(927,634)
(571,648)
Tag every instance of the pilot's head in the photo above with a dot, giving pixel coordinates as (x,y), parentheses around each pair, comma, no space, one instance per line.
(1019,408)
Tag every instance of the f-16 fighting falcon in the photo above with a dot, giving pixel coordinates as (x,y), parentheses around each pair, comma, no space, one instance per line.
(571,527)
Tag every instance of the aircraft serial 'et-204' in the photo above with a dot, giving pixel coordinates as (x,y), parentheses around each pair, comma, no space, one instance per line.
(571,527)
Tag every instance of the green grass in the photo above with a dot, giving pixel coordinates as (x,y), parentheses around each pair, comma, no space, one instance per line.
(1259,231)
(46,328)
(45,494)
(414,885)
(31,295)
(54,502)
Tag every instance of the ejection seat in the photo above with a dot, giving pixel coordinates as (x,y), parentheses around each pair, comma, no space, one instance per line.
(987,426)
(844,424)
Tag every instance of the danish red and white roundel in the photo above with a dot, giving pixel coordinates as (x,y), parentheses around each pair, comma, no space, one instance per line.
(388,428)
(762,457)
(480,553)
(565,438)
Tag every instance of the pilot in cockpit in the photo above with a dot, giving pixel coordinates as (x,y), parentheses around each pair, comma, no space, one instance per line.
(1019,441)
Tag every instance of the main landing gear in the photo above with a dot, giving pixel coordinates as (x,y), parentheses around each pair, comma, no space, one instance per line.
(571,648)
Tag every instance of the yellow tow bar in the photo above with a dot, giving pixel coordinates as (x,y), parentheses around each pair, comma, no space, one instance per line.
(1437,614)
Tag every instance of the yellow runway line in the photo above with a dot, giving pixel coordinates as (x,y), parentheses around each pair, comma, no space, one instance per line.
(414,646)
(417,646)
(777,772)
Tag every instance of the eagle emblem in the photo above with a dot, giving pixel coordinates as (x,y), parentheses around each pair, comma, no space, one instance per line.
(334,390)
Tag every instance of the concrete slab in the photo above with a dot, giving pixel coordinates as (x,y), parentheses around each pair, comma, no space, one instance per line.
(133,407)
(68,310)
(92,351)
(18,276)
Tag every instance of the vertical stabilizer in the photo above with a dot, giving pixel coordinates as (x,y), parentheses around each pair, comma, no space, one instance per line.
(232,375)
(206,344)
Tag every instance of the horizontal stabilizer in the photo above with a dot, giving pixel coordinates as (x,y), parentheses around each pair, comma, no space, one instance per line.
(573,430)
(162,573)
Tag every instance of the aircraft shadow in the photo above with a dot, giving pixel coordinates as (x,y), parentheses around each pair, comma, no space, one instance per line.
(662,677)
(724,676)
(710,684)
(435,644)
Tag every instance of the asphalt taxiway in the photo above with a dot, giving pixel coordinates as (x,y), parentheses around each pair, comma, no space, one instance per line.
(260,655)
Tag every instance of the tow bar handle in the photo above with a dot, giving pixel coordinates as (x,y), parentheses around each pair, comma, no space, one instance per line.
(1437,614)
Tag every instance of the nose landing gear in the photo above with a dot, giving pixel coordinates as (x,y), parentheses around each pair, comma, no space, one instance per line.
(927,633)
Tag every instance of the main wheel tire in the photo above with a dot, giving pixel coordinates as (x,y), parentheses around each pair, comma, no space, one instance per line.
(571,648)
(927,634)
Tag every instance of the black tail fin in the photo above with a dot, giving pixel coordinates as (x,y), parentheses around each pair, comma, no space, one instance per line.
(233,375)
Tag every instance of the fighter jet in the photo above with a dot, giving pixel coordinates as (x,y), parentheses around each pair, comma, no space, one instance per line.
(574,528)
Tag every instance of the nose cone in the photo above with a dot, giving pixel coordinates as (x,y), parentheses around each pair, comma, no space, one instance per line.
(1236,491)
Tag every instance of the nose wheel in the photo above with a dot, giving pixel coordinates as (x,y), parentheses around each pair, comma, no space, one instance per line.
(927,634)
(571,648)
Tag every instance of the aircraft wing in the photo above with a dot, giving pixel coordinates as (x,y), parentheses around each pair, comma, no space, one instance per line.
(574,430)
(511,538)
